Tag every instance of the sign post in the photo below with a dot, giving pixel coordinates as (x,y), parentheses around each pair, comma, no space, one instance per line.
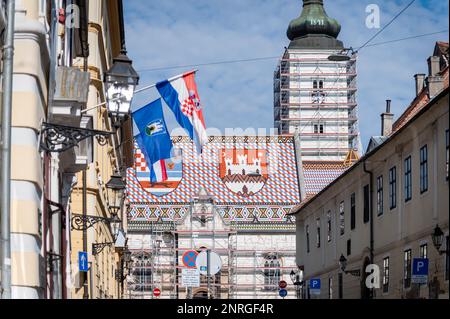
(314,286)
(83,265)
(190,278)
(420,271)
(189,258)
(156,292)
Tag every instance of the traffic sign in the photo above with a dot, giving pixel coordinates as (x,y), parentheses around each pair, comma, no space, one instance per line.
(282,284)
(83,261)
(215,263)
(420,271)
(156,292)
(283,293)
(190,278)
(314,286)
(189,258)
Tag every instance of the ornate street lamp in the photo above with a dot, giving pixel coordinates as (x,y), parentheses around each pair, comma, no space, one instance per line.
(115,191)
(341,56)
(120,82)
(297,282)
(343,266)
(438,238)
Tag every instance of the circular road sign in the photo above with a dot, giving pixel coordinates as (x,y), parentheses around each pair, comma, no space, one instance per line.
(215,263)
(189,258)
(282,284)
(283,293)
(156,292)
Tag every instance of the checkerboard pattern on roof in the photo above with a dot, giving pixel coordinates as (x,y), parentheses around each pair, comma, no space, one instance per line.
(319,175)
(203,172)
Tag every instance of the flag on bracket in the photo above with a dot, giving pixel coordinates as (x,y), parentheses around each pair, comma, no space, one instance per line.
(154,139)
(181,95)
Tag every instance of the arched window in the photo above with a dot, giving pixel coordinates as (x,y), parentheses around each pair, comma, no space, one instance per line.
(272,272)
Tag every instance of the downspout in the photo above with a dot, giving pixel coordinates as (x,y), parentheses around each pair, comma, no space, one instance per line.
(8,65)
(371,218)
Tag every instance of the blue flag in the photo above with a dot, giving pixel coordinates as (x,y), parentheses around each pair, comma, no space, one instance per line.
(154,139)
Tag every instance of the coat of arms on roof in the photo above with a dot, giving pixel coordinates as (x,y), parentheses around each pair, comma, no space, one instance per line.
(244,171)
(173,168)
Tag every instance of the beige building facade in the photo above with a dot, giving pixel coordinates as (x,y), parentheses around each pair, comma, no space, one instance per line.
(62,50)
(385,208)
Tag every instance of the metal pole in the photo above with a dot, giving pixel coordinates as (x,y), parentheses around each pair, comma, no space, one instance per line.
(8,64)
(84,195)
(208,254)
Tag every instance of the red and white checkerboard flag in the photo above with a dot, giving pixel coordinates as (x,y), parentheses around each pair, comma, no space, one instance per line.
(181,95)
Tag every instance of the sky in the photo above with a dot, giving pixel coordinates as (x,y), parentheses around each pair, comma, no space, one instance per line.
(164,34)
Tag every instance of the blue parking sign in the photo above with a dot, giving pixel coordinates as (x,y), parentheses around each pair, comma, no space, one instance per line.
(314,284)
(420,271)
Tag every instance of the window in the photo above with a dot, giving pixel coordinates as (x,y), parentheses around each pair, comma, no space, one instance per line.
(380,199)
(330,288)
(424,169)
(353,211)
(329,226)
(366,204)
(272,273)
(393,187)
(424,251)
(349,247)
(307,239)
(407,268)
(408,179)
(318,232)
(318,96)
(342,218)
(447,153)
(386,275)
(319,129)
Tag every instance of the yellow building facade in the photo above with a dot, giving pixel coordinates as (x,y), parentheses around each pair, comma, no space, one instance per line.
(62,51)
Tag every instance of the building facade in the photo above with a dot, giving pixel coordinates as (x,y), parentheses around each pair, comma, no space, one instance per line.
(385,208)
(233,200)
(315,96)
(62,49)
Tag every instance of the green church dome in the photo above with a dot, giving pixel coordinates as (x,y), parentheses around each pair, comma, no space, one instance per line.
(313,20)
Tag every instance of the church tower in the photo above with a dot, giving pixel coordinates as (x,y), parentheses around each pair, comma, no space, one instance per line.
(315,88)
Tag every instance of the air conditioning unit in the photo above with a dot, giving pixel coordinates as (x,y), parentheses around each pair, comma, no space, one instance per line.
(79,157)
(70,96)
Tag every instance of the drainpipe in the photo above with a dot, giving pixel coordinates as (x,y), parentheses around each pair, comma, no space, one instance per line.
(371,218)
(5,199)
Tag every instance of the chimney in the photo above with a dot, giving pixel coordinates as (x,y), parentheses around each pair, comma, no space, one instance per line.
(420,82)
(387,119)
(433,65)
(435,82)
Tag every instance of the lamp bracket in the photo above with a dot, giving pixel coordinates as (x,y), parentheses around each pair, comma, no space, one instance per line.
(57,138)
(98,248)
(82,222)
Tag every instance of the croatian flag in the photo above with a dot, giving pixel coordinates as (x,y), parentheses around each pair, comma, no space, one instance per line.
(181,95)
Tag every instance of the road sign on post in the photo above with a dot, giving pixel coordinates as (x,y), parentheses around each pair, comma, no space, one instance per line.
(282,284)
(190,278)
(314,286)
(156,292)
(214,261)
(283,293)
(420,271)
(189,258)
(83,265)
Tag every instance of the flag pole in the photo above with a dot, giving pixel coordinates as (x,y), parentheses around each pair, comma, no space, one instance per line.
(143,89)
